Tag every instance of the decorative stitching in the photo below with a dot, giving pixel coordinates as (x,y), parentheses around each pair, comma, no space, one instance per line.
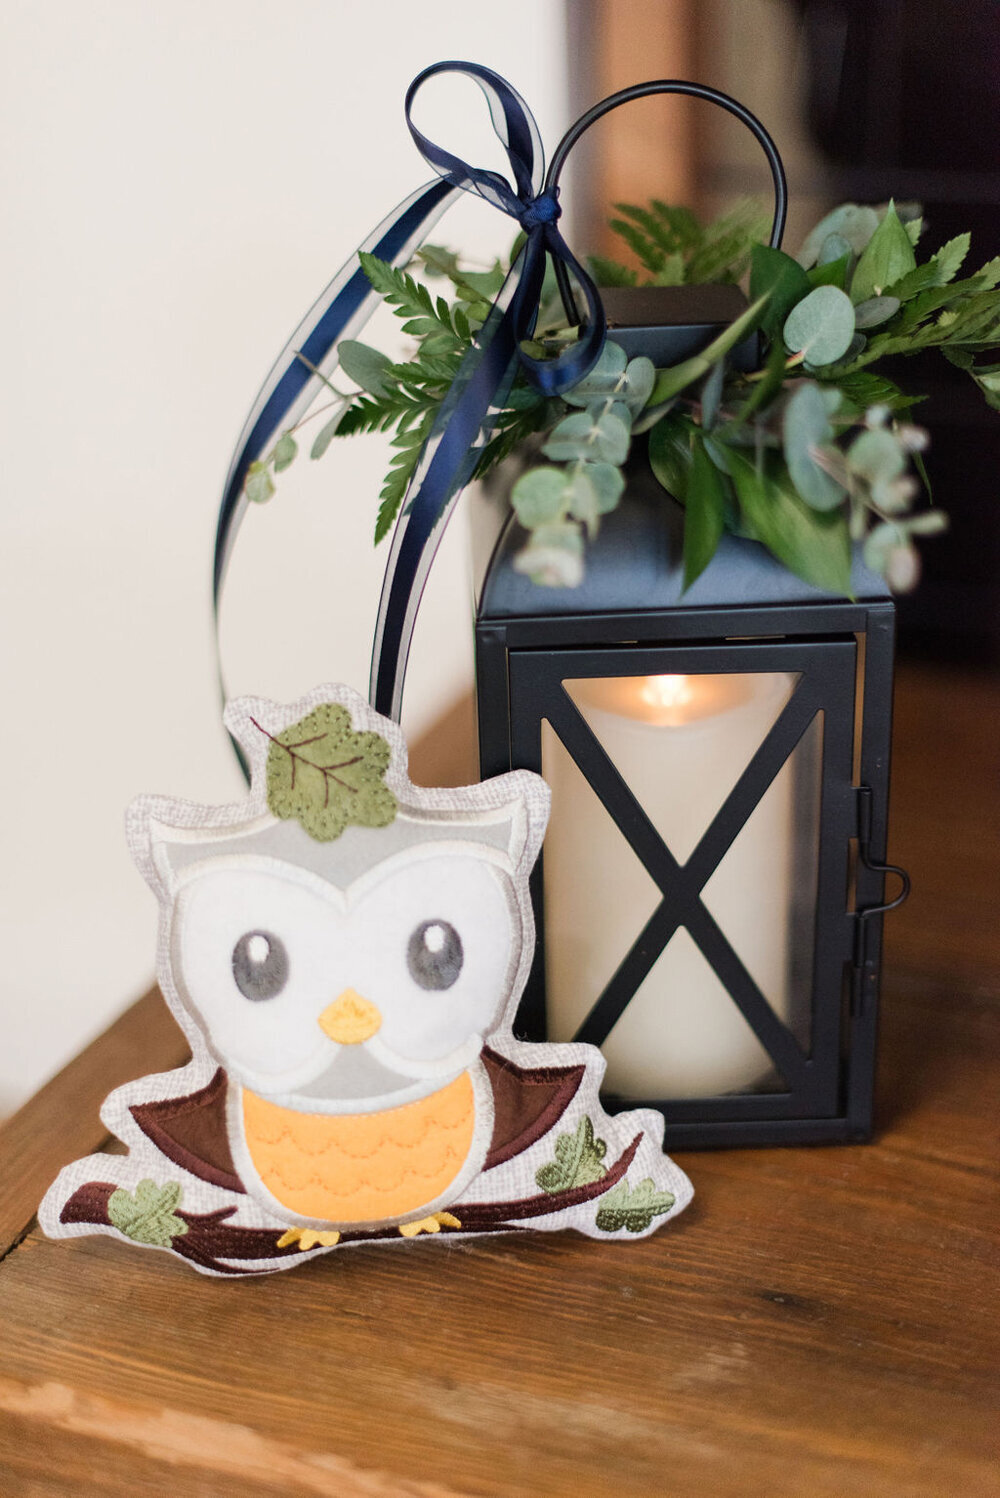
(337,1167)
(513,1106)
(215,1163)
(519,1127)
(328,800)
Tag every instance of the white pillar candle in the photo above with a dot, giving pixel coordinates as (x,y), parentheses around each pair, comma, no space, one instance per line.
(680,743)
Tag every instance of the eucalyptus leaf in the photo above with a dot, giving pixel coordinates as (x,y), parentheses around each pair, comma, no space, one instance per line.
(877,309)
(604,379)
(650,415)
(617,409)
(259,485)
(582,498)
(834,247)
(806,428)
(285,452)
(930,523)
(539,496)
(876,455)
(821,326)
(640,376)
(608,483)
(553,558)
(613,439)
(881,540)
(326,433)
(887,258)
(852,351)
(366,366)
(855,223)
(704,513)
(604,437)
(573,437)
(486,283)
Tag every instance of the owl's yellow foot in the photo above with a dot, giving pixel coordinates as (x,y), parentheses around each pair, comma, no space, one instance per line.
(308,1238)
(432,1224)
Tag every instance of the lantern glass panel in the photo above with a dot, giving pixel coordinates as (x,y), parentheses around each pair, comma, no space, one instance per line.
(681,743)
(682,1036)
(774,932)
(598,894)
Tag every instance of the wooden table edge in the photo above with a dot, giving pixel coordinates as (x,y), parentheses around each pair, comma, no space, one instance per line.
(62,1122)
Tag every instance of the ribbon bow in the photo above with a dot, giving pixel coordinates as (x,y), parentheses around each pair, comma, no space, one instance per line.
(482,382)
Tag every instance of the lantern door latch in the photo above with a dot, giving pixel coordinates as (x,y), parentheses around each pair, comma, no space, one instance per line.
(864,976)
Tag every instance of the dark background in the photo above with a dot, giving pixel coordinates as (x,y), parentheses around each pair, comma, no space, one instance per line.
(904,99)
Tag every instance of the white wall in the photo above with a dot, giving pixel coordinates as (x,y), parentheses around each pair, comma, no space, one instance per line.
(179,181)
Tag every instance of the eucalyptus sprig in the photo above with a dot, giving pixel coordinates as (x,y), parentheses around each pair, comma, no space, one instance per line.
(808,454)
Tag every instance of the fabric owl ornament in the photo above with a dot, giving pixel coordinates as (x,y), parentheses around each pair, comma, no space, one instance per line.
(345,952)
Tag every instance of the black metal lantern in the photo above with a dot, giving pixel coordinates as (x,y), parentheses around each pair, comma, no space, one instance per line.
(710,897)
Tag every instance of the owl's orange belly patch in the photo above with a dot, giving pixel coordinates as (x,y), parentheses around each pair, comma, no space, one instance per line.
(361,1167)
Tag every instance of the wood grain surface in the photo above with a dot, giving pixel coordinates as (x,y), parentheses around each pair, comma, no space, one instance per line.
(62,1120)
(821,1323)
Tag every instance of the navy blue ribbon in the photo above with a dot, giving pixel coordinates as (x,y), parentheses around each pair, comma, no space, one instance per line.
(479,390)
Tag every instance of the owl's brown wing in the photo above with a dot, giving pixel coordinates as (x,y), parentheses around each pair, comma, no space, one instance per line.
(527,1102)
(191,1131)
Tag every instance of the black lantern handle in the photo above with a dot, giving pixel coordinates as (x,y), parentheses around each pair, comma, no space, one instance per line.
(668,86)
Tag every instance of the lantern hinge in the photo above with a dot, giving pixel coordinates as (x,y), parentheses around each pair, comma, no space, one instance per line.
(864,965)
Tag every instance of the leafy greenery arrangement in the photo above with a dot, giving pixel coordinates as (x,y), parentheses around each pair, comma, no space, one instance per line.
(806,454)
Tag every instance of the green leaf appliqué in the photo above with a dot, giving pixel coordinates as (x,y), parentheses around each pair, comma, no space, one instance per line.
(148,1215)
(327,776)
(632,1208)
(578,1162)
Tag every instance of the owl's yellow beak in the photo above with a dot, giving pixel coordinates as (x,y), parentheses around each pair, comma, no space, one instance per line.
(350,1019)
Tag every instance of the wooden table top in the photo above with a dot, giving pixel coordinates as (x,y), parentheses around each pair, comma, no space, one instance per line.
(822,1321)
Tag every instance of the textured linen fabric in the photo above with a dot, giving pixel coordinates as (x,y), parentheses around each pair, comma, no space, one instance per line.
(371,1117)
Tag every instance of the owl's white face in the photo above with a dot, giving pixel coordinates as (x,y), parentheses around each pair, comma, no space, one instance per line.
(261,949)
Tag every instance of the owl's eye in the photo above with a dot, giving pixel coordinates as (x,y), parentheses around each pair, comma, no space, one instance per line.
(434,955)
(260,965)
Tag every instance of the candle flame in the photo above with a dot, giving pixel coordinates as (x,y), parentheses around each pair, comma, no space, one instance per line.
(666,691)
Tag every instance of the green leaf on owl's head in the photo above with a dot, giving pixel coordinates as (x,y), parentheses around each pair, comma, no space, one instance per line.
(327,776)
